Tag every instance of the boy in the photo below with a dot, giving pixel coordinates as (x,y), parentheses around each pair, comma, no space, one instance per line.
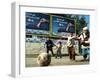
(70,47)
(59,47)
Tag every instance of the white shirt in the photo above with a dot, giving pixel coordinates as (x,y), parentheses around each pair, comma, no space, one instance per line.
(70,41)
(82,36)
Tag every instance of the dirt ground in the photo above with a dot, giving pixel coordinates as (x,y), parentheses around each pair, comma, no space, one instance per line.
(34,49)
(32,62)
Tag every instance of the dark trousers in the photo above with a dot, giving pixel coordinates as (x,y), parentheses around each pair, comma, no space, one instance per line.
(50,49)
(85,52)
(58,53)
(71,53)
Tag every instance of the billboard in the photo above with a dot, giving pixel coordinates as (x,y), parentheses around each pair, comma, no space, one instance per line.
(61,26)
(37,23)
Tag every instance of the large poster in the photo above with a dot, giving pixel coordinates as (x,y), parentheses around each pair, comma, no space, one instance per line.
(61,26)
(37,23)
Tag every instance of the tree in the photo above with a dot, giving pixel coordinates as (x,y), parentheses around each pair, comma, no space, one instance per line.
(82,22)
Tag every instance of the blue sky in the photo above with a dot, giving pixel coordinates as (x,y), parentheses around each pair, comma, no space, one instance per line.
(87,18)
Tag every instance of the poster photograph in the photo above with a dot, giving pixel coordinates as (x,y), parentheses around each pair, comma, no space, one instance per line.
(67,51)
(51,40)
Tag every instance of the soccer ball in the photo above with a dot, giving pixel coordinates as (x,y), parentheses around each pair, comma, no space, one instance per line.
(44,59)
